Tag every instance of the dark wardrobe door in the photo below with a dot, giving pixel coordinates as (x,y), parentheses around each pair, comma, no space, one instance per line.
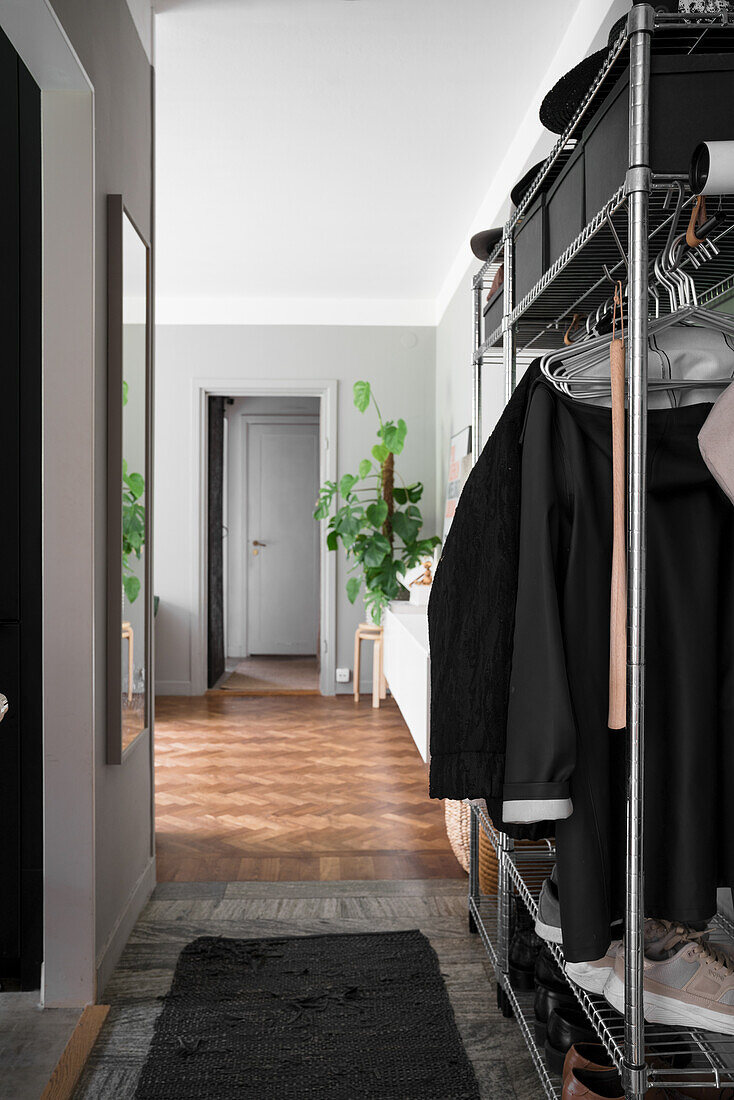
(215,603)
(21,670)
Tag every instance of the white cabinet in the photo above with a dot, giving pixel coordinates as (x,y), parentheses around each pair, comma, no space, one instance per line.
(407,667)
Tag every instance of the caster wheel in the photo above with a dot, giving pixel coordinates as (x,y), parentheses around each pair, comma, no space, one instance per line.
(503,1002)
(473,925)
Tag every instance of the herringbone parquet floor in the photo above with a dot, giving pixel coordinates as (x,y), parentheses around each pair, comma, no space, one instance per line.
(288,788)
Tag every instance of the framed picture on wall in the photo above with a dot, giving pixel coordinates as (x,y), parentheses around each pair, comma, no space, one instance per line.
(459,467)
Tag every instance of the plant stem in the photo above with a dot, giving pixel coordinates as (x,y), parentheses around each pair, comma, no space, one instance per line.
(388,483)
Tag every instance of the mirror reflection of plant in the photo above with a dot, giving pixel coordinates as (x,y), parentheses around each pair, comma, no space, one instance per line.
(133,522)
(367,525)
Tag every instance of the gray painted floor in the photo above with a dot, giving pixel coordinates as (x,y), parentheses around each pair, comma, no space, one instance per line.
(31,1042)
(178,912)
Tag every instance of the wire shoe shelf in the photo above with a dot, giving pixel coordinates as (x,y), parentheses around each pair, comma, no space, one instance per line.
(679,1057)
(637,220)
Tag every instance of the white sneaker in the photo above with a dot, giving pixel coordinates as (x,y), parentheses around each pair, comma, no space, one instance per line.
(593,976)
(688,981)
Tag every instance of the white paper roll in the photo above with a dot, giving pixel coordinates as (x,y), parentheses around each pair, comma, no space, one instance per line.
(712,168)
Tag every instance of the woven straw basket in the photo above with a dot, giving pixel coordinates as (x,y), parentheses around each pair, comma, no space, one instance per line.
(458,821)
(458,828)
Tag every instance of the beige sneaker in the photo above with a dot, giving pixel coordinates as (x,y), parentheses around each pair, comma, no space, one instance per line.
(593,976)
(688,981)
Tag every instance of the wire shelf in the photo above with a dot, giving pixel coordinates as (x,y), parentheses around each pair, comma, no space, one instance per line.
(677,1057)
(484,911)
(578,282)
(537,323)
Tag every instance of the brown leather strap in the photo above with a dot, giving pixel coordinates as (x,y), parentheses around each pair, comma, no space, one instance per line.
(568,334)
(698,217)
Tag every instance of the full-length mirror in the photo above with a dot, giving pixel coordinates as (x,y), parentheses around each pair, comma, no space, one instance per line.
(129,596)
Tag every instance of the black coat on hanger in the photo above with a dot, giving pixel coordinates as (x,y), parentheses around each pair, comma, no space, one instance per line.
(471,618)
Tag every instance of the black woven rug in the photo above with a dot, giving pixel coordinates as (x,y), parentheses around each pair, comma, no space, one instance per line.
(342,1017)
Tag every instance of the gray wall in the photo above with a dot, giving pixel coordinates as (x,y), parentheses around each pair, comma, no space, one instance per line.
(398,362)
(108,46)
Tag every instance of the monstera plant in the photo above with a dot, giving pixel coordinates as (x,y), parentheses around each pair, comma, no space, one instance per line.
(377,522)
(133,522)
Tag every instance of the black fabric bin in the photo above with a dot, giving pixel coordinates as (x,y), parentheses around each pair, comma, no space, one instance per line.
(493,312)
(690,101)
(566,206)
(531,248)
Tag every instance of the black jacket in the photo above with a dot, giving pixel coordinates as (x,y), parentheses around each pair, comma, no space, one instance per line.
(559,748)
(471,617)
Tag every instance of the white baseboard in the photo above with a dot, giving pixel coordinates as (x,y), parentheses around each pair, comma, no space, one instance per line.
(108,957)
(365,688)
(174,687)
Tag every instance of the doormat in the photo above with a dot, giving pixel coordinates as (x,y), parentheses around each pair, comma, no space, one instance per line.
(338,1017)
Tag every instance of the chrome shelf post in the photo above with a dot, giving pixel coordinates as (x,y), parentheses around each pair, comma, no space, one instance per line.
(640,27)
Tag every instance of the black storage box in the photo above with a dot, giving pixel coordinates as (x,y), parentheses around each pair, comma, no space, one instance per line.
(493,312)
(566,206)
(690,101)
(531,248)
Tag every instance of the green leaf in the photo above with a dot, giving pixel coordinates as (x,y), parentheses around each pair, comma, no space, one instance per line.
(332,540)
(375,602)
(365,467)
(353,586)
(415,492)
(400,495)
(414,513)
(405,527)
(124,394)
(380,452)
(347,524)
(362,395)
(376,550)
(136,484)
(347,483)
(132,588)
(394,435)
(376,513)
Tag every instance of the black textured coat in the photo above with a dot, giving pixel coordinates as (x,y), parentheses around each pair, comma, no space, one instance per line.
(471,618)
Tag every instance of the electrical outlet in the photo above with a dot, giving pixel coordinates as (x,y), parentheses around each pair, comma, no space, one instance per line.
(343,675)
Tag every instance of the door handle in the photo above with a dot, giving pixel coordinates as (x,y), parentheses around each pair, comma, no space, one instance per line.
(3,706)
(256,542)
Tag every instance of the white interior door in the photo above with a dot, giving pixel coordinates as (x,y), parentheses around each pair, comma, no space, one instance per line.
(282,547)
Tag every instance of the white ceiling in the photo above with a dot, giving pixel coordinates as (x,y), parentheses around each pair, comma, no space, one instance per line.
(312,153)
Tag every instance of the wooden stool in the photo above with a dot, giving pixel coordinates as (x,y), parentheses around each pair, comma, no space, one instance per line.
(127,632)
(369,632)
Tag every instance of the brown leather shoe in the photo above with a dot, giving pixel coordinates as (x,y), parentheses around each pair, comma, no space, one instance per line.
(587,1056)
(584,1084)
(589,1084)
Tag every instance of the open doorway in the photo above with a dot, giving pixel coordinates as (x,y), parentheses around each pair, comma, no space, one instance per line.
(264,554)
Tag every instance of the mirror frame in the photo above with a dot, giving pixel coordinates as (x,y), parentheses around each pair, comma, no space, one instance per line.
(116,212)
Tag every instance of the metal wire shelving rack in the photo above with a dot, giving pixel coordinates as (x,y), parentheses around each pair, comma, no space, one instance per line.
(614,244)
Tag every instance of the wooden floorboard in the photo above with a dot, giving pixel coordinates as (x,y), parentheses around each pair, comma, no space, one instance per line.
(289,789)
(71,1064)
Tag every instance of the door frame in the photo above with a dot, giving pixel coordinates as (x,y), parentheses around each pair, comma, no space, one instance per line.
(69,601)
(326,390)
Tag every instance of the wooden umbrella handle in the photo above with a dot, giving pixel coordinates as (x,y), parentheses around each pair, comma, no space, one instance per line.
(618,607)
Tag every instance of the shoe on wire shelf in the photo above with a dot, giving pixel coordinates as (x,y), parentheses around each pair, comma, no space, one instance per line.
(548,921)
(688,982)
(589,1084)
(593,976)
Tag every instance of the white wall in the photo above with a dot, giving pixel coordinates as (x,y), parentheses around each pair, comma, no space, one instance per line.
(400,364)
